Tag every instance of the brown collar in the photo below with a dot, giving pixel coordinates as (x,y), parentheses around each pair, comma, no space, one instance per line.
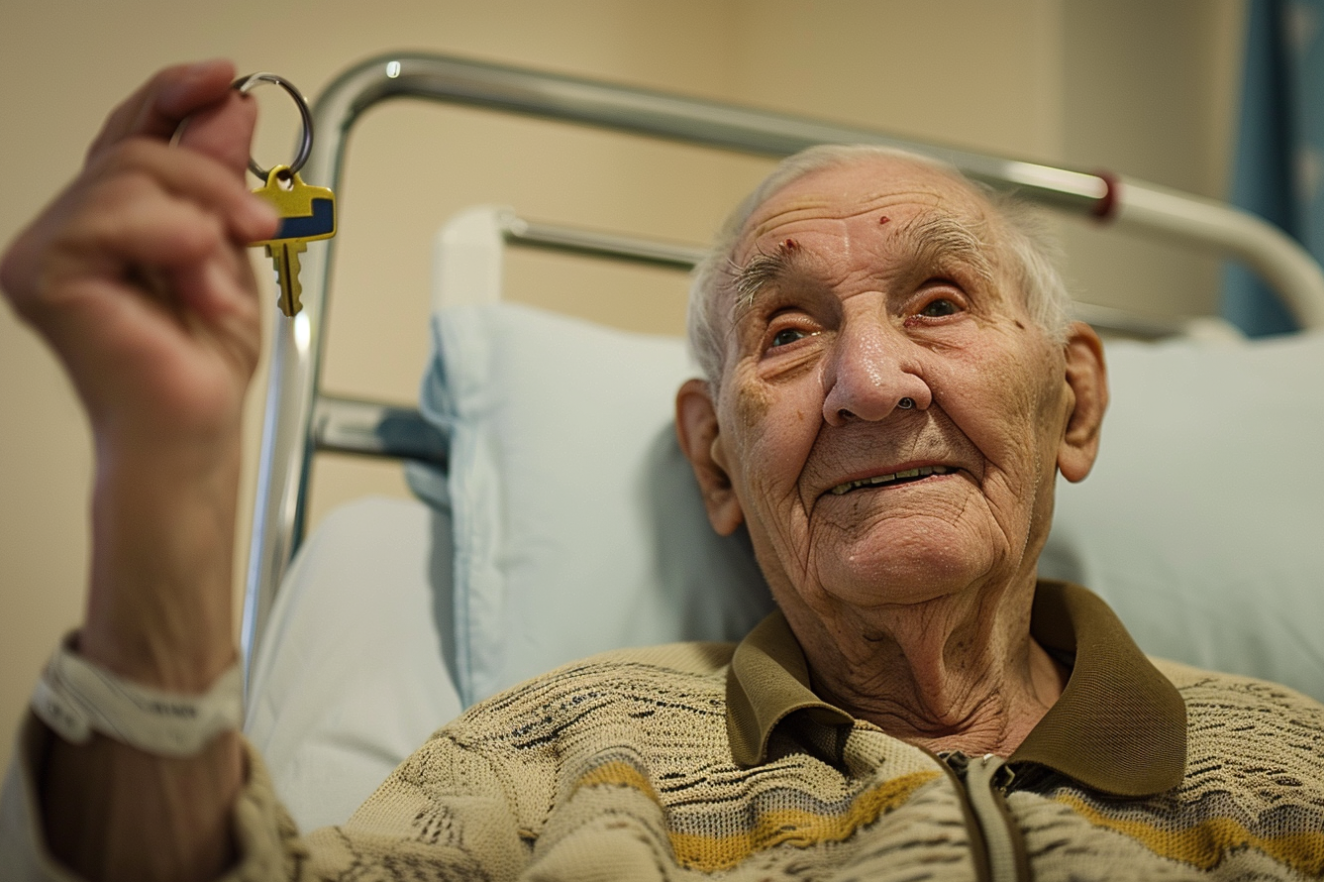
(1119,726)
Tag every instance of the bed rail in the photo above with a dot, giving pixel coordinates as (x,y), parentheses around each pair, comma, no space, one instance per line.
(299,420)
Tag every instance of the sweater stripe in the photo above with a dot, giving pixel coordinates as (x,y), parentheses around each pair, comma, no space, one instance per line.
(794,827)
(1208,842)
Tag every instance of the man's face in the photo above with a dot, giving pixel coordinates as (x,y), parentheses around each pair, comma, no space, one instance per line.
(878,331)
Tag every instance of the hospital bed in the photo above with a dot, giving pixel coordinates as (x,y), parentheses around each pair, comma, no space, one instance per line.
(533,542)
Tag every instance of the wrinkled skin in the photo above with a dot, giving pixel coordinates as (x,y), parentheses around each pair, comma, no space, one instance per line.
(911,600)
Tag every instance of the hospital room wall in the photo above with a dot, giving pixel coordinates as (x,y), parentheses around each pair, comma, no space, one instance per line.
(1143,87)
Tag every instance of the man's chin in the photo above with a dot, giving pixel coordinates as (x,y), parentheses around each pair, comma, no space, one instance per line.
(896,577)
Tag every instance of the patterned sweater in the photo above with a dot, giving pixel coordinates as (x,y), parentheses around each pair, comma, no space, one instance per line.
(704,760)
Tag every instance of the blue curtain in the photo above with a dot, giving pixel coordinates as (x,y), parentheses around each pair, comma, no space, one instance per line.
(1280,147)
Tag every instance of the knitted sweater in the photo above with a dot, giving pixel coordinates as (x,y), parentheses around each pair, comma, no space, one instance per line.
(701,759)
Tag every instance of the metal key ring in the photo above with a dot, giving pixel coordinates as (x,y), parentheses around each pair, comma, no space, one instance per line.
(246,84)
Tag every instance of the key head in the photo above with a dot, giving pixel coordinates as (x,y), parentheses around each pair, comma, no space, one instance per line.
(307,213)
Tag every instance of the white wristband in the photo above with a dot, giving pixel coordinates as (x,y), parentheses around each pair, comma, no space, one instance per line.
(75,697)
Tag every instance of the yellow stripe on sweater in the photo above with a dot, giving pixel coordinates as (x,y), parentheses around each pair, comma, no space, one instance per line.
(787,826)
(1205,844)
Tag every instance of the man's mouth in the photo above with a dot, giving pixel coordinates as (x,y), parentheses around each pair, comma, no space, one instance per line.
(905,476)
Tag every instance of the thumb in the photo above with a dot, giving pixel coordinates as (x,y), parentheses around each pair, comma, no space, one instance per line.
(217,120)
(223,130)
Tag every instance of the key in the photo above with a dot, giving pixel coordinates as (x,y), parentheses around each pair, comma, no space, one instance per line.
(307,213)
(285,259)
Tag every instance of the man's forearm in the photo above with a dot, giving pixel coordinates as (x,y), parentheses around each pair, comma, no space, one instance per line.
(159,614)
(159,608)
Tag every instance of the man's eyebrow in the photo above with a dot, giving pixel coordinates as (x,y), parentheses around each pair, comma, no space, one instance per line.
(761,270)
(941,238)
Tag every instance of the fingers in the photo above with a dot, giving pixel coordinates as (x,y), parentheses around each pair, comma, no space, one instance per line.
(138,259)
(220,121)
(145,225)
(159,105)
(135,169)
(197,178)
(128,228)
(218,288)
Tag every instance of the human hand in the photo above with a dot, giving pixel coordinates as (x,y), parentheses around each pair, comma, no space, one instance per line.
(137,274)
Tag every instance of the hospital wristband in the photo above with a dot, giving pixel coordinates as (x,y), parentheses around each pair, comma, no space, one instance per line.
(75,698)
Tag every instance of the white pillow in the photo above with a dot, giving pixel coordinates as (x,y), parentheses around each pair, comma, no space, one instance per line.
(578,523)
(1202,525)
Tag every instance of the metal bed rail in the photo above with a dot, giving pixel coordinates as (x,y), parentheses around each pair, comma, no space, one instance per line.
(299,420)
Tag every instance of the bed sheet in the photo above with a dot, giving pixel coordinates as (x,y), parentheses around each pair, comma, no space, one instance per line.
(355,671)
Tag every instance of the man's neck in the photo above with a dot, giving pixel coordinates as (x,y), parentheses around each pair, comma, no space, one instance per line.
(955,673)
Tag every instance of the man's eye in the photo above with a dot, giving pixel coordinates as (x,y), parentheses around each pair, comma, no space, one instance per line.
(787,336)
(938,308)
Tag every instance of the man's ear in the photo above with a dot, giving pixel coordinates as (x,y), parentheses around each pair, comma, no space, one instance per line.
(700,441)
(1087,383)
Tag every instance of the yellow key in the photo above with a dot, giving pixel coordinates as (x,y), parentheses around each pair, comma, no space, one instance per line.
(307,213)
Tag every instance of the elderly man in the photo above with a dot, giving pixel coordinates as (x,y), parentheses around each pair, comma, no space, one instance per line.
(891,391)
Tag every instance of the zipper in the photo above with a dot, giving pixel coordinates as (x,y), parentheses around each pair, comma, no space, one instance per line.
(984,782)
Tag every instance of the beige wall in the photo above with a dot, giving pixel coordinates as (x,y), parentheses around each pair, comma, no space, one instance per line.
(1141,86)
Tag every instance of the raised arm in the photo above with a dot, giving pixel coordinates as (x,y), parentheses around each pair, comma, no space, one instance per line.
(138,278)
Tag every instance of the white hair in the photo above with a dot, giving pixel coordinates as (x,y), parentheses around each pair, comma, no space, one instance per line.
(1024,240)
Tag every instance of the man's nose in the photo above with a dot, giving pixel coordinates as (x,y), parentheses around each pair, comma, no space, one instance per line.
(873,371)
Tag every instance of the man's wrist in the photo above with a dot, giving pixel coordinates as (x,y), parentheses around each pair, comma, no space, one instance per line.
(76,698)
(143,451)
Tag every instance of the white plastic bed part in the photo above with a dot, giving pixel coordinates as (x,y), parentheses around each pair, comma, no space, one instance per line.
(301,420)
